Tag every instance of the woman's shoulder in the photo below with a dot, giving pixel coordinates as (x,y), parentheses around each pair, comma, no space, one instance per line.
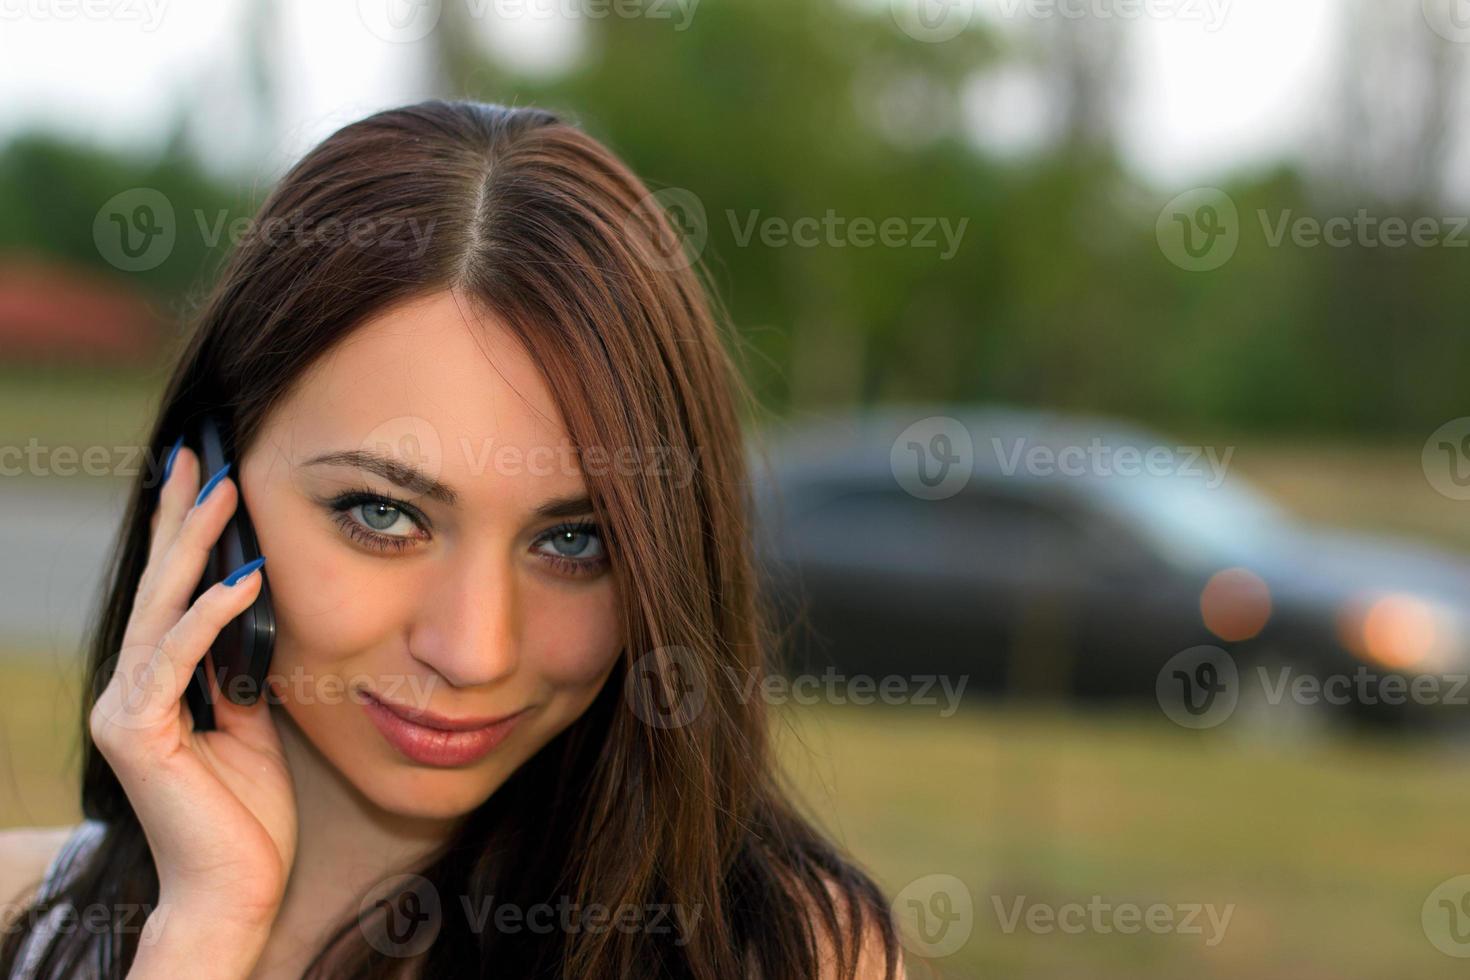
(871,964)
(28,854)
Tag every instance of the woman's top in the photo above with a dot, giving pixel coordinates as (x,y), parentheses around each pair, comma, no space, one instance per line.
(78,847)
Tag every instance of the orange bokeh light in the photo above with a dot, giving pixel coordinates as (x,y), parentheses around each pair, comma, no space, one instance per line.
(1398,631)
(1235,604)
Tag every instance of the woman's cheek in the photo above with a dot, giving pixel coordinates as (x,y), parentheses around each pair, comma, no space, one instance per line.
(574,634)
(304,568)
(330,607)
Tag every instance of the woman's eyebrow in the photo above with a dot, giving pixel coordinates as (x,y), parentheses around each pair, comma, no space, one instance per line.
(402,474)
(389,468)
(573,505)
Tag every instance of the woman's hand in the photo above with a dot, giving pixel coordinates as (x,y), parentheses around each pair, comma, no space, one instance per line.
(217,807)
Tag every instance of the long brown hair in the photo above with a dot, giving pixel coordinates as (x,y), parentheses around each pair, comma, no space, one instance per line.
(540,222)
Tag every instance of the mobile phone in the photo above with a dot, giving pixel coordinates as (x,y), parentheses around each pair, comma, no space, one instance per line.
(241,653)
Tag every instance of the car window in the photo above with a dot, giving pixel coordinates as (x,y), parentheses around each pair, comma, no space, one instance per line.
(974,528)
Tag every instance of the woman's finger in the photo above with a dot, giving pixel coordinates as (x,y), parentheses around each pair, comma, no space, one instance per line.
(149,682)
(167,586)
(174,500)
(185,644)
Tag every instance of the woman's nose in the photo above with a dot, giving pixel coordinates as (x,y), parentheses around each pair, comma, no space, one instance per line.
(468,626)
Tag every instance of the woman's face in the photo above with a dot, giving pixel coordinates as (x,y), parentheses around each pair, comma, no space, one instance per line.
(429,546)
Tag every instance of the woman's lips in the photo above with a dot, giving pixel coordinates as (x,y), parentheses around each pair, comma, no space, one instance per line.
(434,740)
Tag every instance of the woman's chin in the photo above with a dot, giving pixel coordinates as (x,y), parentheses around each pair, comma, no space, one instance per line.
(427,793)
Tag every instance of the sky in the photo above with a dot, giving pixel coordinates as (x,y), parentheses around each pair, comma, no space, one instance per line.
(1214,85)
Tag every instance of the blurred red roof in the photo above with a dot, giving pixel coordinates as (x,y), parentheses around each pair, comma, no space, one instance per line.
(55,312)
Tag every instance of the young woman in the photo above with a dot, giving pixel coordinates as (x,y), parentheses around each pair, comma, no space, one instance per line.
(488,435)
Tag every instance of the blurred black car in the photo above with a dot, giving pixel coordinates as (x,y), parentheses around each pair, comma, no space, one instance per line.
(1083,579)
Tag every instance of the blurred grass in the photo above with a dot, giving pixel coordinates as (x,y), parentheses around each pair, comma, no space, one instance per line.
(39,733)
(1326,850)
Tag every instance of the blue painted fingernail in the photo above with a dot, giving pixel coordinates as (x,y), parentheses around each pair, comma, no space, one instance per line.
(218,476)
(168,466)
(244,570)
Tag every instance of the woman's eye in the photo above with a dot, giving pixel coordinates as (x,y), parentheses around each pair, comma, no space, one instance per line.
(383,517)
(574,543)
(378,523)
(576,549)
